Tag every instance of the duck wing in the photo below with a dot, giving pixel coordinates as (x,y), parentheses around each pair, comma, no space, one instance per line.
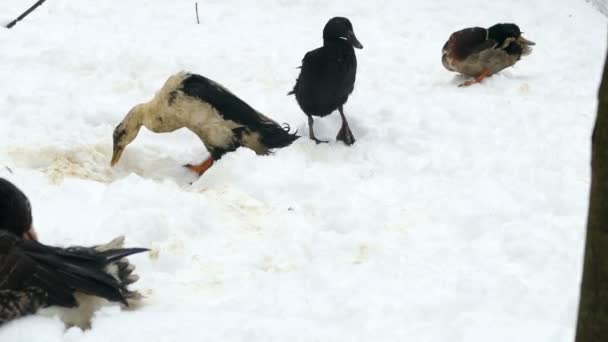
(60,272)
(312,63)
(466,42)
(326,79)
(229,106)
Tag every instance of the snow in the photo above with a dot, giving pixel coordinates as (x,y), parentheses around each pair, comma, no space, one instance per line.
(458,215)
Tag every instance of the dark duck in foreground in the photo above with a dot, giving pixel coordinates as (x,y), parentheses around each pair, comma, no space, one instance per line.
(35,276)
(479,52)
(328,76)
(219,118)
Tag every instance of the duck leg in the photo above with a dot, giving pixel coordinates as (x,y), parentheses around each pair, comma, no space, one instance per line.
(311,131)
(478,79)
(202,167)
(345,135)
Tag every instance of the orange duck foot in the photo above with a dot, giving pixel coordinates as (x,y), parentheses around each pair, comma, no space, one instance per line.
(479,78)
(202,167)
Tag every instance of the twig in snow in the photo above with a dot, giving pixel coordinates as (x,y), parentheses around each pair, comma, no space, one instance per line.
(24,14)
(9,169)
(196,8)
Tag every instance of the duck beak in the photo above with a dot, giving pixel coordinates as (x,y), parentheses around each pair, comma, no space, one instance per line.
(352,39)
(31,234)
(116,155)
(524,41)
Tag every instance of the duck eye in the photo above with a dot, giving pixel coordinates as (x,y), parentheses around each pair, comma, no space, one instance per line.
(118,134)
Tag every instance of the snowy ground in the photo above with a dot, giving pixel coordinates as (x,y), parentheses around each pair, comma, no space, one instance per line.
(457,216)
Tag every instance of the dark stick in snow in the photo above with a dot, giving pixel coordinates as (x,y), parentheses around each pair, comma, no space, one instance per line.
(196,8)
(24,14)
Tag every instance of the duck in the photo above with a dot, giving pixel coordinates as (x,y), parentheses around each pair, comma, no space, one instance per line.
(327,77)
(35,276)
(221,120)
(479,52)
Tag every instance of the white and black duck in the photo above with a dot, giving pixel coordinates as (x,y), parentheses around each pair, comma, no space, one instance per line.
(219,118)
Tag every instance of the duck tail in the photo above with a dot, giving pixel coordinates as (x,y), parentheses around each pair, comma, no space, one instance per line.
(119,267)
(274,135)
(101,271)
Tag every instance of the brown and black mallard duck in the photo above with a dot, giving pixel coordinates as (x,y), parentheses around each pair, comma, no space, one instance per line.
(479,52)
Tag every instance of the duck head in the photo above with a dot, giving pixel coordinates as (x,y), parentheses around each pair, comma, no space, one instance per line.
(15,211)
(126,132)
(340,28)
(503,32)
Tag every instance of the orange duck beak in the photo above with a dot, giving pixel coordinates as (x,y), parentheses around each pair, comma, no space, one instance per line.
(116,155)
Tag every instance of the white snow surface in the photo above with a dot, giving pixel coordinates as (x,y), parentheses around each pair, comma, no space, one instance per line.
(458,215)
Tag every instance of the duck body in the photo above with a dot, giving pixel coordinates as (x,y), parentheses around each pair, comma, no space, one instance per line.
(479,52)
(221,120)
(327,76)
(35,276)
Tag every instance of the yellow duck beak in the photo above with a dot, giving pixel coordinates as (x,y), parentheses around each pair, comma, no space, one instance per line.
(524,41)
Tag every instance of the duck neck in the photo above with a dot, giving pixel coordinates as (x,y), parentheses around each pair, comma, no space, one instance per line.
(135,118)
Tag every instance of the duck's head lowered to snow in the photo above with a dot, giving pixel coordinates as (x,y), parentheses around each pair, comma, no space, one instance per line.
(125,133)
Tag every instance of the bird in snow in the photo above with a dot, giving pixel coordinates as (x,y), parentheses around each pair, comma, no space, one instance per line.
(327,76)
(479,52)
(75,280)
(219,118)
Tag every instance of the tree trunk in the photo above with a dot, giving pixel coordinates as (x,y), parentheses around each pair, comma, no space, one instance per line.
(592,325)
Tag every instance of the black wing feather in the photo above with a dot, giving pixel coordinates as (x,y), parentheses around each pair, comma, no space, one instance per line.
(85,276)
(463,43)
(59,272)
(229,106)
(18,271)
(326,79)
